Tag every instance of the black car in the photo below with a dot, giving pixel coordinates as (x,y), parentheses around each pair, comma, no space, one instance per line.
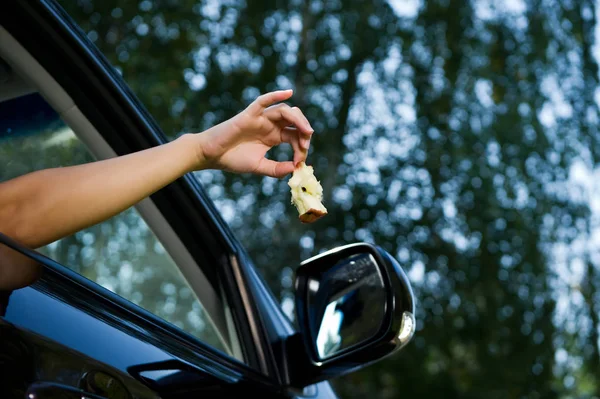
(72,335)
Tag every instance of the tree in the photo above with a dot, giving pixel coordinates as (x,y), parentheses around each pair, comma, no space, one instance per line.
(447,134)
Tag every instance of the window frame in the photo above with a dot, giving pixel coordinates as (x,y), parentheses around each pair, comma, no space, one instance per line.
(100,98)
(207,293)
(85,296)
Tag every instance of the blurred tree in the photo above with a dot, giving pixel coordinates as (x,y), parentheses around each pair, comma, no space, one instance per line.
(447,131)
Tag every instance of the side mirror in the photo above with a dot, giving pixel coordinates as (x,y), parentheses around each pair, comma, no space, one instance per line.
(354,306)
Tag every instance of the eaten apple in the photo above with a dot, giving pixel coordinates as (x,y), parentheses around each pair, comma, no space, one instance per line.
(307,194)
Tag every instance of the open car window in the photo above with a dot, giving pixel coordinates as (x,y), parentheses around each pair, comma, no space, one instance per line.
(121,254)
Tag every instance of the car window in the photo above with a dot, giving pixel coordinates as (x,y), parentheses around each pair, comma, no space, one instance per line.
(121,254)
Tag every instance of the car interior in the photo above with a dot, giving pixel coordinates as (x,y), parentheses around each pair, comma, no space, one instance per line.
(31,78)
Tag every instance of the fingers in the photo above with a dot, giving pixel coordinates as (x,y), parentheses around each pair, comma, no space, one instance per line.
(301,116)
(272,168)
(286,114)
(291,136)
(298,135)
(305,138)
(300,156)
(268,99)
(295,130)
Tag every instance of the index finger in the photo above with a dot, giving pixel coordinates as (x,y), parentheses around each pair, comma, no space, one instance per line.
(300,155)
(269,99)
(292,136)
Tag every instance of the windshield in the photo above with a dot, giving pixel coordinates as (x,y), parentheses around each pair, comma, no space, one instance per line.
(459,135)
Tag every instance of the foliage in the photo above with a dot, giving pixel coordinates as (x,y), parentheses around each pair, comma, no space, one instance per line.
(459,135)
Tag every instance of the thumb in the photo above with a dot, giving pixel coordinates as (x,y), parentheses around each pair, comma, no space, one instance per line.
(272,168)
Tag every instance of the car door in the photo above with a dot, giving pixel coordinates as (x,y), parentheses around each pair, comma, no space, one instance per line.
(66,335)
(73,327)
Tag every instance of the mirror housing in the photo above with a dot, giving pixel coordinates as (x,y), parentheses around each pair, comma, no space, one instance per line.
(358,282)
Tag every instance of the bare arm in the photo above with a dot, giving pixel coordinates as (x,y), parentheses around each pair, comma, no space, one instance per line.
(44,206)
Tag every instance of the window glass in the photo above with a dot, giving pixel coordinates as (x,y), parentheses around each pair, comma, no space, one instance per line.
(121,254)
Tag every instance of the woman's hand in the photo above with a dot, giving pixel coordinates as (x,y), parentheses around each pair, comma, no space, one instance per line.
(240,143)
(44,206)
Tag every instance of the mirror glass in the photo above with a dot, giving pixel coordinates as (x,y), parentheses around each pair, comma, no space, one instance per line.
(346,304)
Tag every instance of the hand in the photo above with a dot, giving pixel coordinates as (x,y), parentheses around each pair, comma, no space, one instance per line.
(241,143)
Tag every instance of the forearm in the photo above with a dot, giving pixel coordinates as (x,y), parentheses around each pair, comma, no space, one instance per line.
(44,206)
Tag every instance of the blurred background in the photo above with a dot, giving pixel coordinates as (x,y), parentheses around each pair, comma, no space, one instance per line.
(460,135)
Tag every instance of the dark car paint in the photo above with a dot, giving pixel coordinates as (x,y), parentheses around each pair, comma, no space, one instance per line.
(397,301)
(52,38)
(34,357)
(64,316)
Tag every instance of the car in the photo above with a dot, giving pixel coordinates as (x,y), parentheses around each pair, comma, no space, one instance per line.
(72,335)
